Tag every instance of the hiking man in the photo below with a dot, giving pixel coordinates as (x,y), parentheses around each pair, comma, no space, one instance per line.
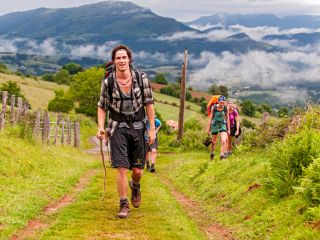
(126,93)
(151,149)
(219,123)
(234,119)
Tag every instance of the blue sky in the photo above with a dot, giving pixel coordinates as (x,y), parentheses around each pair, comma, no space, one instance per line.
(184,10)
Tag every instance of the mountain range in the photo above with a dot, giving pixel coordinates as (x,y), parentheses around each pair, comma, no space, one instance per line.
(233,49)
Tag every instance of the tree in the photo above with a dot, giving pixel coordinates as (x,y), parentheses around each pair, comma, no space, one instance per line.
(85,90)
(61,102)
(248,108)
(3,67)
(224,91)
(264,107)
(13,89)
(160,78)
(214,89)
(62,77)
(72,68)
(48,77)
(283,112)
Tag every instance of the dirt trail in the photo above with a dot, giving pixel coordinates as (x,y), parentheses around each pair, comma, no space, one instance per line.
(38,224)
(213,230)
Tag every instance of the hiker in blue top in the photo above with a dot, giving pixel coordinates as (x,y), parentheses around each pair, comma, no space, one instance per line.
(219,123)
(151,149)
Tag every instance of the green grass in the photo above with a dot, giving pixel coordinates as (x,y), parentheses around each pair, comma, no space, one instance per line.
(31,176)
(159,217)
(222,188)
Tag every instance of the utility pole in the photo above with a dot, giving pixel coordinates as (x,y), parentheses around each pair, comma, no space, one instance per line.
(182,94)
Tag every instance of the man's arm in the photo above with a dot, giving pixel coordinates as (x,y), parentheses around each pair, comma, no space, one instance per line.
(101,120)
(150,115)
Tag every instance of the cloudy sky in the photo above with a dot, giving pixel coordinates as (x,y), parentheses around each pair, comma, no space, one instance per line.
(184,10)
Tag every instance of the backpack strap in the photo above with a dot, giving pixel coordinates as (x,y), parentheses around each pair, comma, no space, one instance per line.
(140,114)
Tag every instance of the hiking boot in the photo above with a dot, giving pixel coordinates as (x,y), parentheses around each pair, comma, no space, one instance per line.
(222,157)
(124,209)
(152,169)
(211,156)
(135,194)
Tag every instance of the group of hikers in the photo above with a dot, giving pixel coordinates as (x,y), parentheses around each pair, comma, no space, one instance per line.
(132,126)
(224,119)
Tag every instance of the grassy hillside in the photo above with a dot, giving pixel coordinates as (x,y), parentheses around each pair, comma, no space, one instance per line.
(33,175)
(38,92)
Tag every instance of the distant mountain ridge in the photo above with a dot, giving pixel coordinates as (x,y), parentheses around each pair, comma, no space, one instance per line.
(96,23)
(258,20)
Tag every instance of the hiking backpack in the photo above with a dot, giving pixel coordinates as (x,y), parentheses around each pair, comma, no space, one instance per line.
(109,68)
(213,100)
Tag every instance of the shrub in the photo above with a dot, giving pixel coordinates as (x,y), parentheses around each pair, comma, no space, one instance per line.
(310,184)
(289,158)
(248,124)
(61,103)
(265,134)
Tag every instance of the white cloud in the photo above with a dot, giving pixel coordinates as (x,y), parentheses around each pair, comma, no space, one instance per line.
(255,67)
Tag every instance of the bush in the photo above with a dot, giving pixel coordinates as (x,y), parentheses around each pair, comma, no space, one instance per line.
(248,124)
(289,158)
(248,108)
(310,183)
(61,103)
(160,78)
(265,134)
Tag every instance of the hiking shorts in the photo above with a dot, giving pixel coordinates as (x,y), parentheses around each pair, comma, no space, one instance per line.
(152,146)
(128,148)
(233,132)
(218,127)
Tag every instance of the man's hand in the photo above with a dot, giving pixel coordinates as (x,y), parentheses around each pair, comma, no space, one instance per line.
(151,136)
(100,134)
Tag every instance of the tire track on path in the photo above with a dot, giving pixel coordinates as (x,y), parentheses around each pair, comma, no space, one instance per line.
(213,230)
(38,223)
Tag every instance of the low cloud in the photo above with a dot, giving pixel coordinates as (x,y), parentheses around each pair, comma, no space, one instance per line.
(255,68)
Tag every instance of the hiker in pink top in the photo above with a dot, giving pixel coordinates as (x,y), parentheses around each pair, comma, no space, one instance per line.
(235,130)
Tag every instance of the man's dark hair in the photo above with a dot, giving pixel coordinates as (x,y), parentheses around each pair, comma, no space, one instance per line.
(121,47)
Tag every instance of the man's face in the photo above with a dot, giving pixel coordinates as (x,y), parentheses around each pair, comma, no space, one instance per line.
(121,60)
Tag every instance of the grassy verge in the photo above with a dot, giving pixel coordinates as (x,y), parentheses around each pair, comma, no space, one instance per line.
(32,176)
(233,193)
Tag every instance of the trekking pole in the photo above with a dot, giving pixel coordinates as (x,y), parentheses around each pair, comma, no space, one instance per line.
(105,170)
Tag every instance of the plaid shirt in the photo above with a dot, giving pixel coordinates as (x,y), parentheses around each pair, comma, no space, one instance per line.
(137,101)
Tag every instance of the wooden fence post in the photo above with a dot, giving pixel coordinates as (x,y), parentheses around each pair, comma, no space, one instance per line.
(48,130)
(57,128)
(62,131)
(37,125)
(12,115)
(76,134)
(68,131)
(19,111)
(4,109)
(44,124)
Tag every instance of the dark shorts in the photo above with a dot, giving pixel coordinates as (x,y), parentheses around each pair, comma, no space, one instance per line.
(215,133)
(233,132)
(128,148)
(154,145)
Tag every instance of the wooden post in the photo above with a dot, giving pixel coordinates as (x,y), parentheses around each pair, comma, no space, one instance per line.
(265,117)
(19,111)
(62,131)
(76,134)
(4,109)
(48,130)
(57,129)
(182,94)
(44,128)
(37,125)
(12,115)
(68,131)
